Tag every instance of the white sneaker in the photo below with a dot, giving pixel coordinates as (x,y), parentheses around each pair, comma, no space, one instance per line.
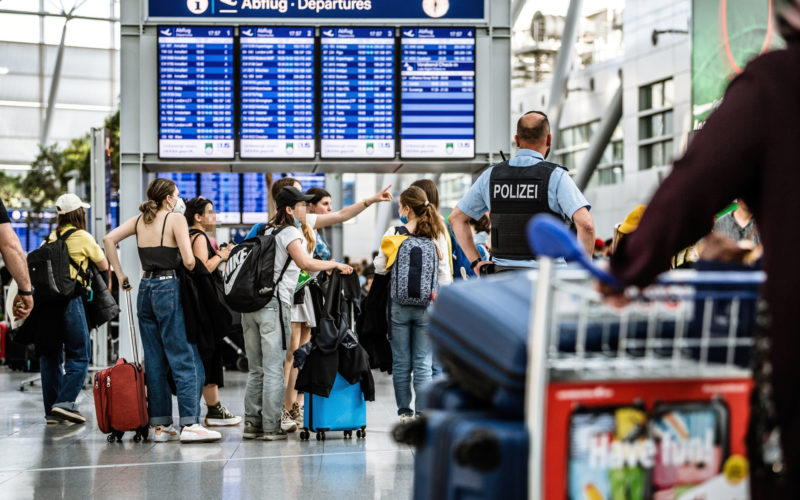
(162,434)
(406,418)
(287,422)
(198,434)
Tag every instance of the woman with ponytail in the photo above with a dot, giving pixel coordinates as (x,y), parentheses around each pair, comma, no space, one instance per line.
(163,244)
(303,319)
(411,349)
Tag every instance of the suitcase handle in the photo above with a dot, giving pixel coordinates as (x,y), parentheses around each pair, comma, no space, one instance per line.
(131,326)
(480,450)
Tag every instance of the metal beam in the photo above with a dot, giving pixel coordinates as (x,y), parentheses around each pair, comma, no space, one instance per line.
(97,164)
(43,14)
(54,81)
(600,140)
(558,87)
(334,185)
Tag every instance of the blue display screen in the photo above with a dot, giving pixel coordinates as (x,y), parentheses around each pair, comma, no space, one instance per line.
(357,93)
(195,79)
(277,92)
(254,200)
(223,191)
(186,182)
(438,93)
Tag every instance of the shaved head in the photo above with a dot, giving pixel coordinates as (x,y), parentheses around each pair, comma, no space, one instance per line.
(533,128)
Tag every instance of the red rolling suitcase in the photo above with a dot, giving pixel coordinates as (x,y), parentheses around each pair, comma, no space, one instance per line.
(120,400)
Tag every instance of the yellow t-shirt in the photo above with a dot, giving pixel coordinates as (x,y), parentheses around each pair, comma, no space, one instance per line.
(81,247)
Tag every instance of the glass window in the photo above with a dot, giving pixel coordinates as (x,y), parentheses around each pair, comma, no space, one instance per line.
(618,154)
(568,137)
(645,98)
(657,95)
(19,27)
(669,92)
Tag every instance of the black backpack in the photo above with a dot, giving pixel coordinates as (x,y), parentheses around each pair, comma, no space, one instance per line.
(248,279)
(49,268)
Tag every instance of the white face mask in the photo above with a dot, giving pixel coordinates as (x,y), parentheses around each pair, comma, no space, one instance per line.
(179,207)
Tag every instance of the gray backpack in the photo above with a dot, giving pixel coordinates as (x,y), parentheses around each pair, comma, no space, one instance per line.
(415,271)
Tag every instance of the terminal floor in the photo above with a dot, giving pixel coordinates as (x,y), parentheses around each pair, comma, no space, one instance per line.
(71,461)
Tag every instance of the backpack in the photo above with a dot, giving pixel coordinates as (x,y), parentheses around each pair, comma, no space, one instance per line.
(415,271)
(460,260)
(248,280)
(49,268)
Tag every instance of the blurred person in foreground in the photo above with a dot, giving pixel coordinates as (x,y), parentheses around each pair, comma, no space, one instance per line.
(747,149)
(17,265)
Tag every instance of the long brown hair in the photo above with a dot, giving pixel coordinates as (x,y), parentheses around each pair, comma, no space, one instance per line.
(431,191)
(157,192)
(76,218)
(429,224)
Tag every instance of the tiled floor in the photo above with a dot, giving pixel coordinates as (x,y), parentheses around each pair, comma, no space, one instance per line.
(75,461)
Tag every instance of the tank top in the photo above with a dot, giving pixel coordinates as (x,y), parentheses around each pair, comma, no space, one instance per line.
(193,235)
(160,258)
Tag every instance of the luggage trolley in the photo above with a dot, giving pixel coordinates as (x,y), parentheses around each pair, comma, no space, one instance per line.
(642,401)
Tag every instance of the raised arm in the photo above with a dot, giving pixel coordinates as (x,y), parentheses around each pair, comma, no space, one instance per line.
(110,242)
(303,261)
(347,213)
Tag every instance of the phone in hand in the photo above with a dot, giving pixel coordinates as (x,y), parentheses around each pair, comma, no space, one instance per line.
(487,269)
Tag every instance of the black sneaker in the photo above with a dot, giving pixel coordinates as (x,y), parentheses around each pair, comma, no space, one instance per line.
(53,419)
(219,416)
(71,415)
(252,431)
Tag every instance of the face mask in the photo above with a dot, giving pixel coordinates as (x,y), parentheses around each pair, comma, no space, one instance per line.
(297,224)
(404,219)
(179,207)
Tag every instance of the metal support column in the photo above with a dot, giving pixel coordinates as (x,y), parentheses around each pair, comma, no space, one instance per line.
(97,164)
(333,184)
(558,87)
(600,140)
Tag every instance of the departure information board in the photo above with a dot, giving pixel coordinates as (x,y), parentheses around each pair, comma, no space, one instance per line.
(277,92)
(195,77)
(357,93)
(254,200)
(186,182)
(224,192)
(438,93)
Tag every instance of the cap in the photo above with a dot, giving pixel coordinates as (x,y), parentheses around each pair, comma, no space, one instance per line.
(598,244)
(290,195)
(69,202)
(631,222)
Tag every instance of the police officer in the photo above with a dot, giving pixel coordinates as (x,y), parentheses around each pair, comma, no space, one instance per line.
(514,191)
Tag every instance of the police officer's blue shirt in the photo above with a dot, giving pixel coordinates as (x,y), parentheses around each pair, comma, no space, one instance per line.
(563,196)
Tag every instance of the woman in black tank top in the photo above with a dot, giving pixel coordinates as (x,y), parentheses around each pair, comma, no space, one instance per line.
(163,244)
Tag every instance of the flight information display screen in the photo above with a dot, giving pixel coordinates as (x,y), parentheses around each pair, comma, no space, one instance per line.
(438,93)
(195,80)
(186,182)
(357,93)
(277,92)
(223,191)
(254,198)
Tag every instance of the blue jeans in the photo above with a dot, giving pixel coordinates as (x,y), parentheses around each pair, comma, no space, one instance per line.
(263,395)
(61,388)
(411,353)
(166,348)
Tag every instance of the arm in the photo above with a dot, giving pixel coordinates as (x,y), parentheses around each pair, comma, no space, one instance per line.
(180,229)
(348,213)
(459,221)
(303,261)
(445,274)
(17,265)
(200,250)
(381,259)
(128,228)
(585,226)
(723,161)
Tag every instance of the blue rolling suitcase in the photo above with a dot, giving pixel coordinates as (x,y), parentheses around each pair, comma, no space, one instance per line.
(343,410)
(470,455)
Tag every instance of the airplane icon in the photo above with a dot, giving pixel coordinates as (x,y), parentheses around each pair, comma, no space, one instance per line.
(409,67)
(328,33)
(166,32)
(247,32)
(409,34)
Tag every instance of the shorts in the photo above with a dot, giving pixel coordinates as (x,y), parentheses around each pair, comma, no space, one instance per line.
(304,313)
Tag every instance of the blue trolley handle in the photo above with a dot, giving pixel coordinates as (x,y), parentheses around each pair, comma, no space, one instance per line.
(549,237)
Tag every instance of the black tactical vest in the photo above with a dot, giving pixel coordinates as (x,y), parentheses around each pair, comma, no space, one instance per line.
(517,194)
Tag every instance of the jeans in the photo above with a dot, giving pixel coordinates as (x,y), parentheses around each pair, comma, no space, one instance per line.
(61,388)
(411,352)
(263,397)
(166,348)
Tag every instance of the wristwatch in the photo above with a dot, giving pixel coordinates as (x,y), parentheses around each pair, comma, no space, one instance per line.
(25,293)
(474,263)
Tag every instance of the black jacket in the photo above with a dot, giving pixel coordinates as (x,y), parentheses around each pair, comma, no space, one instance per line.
(373,324)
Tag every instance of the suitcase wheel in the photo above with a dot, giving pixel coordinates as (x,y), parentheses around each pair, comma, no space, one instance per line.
(304,435)
(348,434)
(115,436)
(321,436)
(361,433)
